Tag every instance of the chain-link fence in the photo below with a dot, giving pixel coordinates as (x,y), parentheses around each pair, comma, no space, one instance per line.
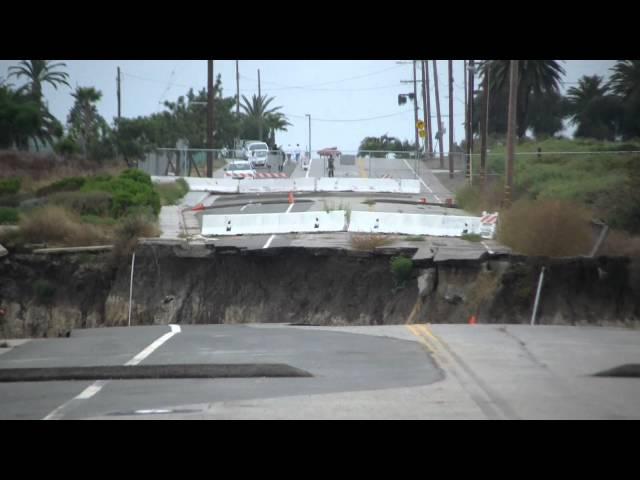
(193,162)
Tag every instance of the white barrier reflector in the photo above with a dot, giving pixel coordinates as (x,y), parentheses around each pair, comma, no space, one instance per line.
(222,185)
(273,223)
(408,185)
(348,184)
(413,224)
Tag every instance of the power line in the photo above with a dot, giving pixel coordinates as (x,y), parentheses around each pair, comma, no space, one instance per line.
(352,120)
(330,82)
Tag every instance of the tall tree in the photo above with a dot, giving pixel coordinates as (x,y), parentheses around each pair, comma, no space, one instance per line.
(593,109)
(537,78)
(258,114)
(85,124)
(39,72)
(625,82)
(20,118)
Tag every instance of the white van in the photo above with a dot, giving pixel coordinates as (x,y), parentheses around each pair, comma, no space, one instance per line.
(257,153)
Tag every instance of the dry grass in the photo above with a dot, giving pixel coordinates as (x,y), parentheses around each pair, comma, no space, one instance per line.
(620,243)
(552,228)
(370,241)
(39,170)
(129,230)
(483,290)
(56,226)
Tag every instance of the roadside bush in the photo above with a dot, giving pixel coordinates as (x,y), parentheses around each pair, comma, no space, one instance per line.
(401,268)
(132,227)
(473,200)
(69,184)
(132,188)
(56,226)
(552,228)
(84,203)
(8,215)
(10,185)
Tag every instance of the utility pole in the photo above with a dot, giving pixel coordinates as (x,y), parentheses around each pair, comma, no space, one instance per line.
(435,82)
(484,123)
(424,107)
(260,100)
(415,110)
(119,99)
(309,115)
(450,118)
(237,89)
(470,121)
(511,131)
(210,118)
(428,113)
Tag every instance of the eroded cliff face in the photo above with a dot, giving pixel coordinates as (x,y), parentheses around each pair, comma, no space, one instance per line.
(48,295)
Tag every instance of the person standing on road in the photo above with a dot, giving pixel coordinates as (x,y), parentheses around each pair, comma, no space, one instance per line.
(284,159)
(331,165)
(297,152)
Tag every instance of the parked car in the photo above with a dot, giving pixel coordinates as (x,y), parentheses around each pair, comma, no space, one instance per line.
(239,170)
(257,153)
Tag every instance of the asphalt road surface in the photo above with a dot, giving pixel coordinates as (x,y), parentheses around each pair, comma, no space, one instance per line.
(386,372)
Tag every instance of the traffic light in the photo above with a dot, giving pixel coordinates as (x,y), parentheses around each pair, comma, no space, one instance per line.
(402,99)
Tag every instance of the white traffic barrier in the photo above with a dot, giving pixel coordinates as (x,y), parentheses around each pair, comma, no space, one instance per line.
(280,185)
(221,185)
(304,184)
(160,179)
(413,224)
(274,223)
(348,184)
(488,223)
(265,185)
(409,185)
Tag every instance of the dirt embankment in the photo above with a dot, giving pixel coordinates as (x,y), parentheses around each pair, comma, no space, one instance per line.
(49,295)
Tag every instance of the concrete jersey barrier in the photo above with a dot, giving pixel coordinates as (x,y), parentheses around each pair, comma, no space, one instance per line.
(413,224)
(220,185)
(274,223)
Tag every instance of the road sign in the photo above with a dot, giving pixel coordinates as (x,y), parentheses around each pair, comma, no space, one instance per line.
(420,125)
(422,133)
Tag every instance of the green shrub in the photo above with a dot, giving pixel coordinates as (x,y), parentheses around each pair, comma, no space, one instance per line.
(8,215)
(401,268)
(132,188)
(69,184)
(84,203)
(10,185)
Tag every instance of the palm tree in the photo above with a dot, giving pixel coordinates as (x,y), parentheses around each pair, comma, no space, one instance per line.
(536,77)
(625,82)
(593,109)
(39,72)
(257,110)
(83,117)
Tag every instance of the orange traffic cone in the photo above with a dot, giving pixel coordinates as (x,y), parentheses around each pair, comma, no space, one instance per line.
(472,320)
(291,200)
(198,207)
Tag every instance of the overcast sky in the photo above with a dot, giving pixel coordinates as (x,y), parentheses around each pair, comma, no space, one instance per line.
(347,100)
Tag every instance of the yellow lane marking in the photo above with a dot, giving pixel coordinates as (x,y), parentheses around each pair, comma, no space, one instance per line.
(421,337)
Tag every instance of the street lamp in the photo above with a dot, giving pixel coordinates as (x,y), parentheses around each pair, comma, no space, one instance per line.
(308,115)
